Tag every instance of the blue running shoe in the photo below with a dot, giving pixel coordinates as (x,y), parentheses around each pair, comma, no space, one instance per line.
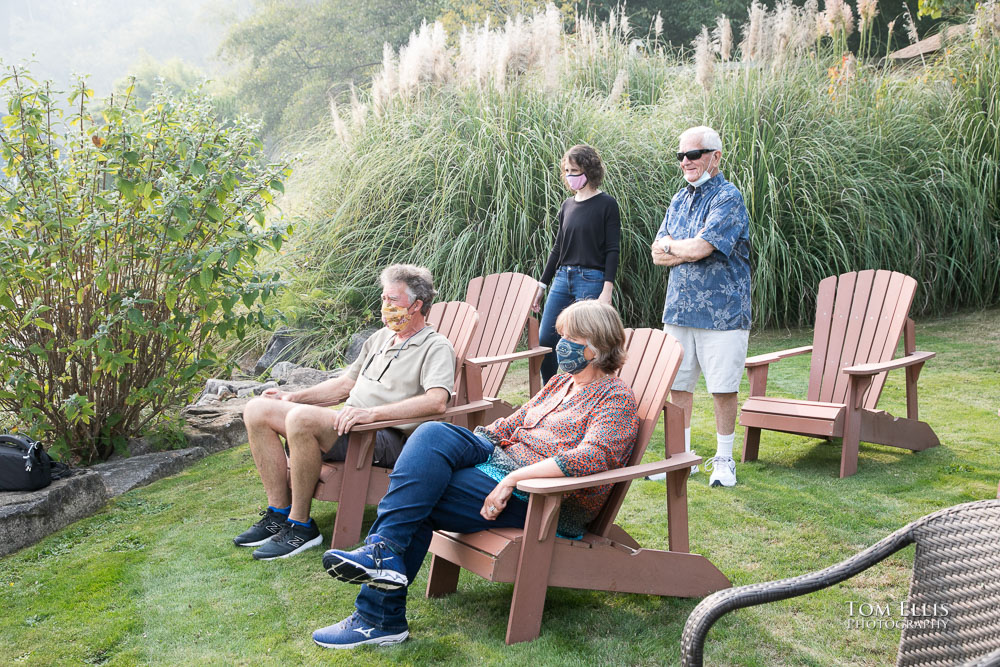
(374,564)
(352,632)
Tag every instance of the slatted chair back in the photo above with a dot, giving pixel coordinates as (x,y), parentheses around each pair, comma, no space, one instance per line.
(457,321)
(652,363)
(504,304)
(860,317)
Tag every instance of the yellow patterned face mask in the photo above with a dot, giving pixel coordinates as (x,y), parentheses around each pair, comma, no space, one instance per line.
(396,317)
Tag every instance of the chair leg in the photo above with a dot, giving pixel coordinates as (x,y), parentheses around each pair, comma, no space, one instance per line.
(531,581)
(443,577)
(857,385)
(751,444)
(353,491)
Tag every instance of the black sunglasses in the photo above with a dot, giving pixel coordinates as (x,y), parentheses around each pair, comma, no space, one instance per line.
(695,154)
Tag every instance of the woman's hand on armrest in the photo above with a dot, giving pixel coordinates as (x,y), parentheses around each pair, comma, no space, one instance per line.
(500,495)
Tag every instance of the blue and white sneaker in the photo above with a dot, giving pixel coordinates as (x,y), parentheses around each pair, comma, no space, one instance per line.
(374,564)
(352,632)
(723,471)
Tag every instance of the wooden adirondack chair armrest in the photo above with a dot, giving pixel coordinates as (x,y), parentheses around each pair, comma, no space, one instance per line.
(466,408)
(554,485)
(771,357)
(513,356)
(902,362)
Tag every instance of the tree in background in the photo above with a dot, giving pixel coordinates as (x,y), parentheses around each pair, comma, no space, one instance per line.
(294,56)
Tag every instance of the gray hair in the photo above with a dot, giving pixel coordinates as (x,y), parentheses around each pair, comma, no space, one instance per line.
(707,137)
(418,280)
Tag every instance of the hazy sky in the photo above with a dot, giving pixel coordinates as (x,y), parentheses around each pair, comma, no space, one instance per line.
(105,38)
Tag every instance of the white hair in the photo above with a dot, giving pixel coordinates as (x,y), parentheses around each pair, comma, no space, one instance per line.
(707,137)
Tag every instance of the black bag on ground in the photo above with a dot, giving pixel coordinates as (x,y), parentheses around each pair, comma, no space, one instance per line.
(25,466)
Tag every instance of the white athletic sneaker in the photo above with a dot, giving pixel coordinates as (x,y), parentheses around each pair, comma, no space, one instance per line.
(723,471)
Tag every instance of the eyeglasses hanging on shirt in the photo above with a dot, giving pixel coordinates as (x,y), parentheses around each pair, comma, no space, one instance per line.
(393,358)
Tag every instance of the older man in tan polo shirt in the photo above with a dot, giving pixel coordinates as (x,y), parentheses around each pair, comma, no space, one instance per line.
(405,369)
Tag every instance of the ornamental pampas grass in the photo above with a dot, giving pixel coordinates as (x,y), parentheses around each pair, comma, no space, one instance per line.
(339,126)
(753,32)
(704,60)
(618,88)
(385,83)
(911,28)
(723,37)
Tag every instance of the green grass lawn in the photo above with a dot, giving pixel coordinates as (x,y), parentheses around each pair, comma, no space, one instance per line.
(154,578)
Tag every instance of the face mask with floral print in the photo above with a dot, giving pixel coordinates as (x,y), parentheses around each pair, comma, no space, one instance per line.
(396,317)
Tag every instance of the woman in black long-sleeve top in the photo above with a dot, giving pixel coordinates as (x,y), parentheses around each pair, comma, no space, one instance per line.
(584,258)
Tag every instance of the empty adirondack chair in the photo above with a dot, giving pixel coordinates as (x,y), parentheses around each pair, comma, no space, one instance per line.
(504,304)
(860,318)
(607,558)
(354,482)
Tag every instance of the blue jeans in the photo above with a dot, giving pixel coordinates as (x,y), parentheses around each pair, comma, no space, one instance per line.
(571,284)
(434,486)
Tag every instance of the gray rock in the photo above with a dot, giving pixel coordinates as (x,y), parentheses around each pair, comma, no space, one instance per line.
(281,370)
(126,474)
(357,341)
(216,429)
(26,518)
(256,390)
(281,348)
(308,377)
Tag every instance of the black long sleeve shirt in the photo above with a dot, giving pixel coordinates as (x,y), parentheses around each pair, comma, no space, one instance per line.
(589,235)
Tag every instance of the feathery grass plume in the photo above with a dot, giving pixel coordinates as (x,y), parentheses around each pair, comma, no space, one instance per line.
(386,81)
(624,28)
(753,32)
(424,60)
(704,60)
(547,34)
(723,37)
(784,31)
(516,51)
(359,111)
(911,27)
(867,11)
(621,83)
(339,126)
(658,24)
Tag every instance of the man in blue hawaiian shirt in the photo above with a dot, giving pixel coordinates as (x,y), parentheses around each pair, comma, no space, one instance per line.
(705,242)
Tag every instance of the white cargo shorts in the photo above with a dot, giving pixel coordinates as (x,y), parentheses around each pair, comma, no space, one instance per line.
(718,354)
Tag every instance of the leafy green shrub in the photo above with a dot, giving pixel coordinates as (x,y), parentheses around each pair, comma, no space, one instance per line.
(129,244)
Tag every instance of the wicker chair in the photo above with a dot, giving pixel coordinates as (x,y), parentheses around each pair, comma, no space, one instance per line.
(956,566)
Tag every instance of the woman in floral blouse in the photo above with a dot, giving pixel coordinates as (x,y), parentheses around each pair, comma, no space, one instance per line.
(448,478)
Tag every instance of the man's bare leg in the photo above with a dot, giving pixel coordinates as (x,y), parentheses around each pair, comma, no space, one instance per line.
(725,413)
(312,431)
(265,421)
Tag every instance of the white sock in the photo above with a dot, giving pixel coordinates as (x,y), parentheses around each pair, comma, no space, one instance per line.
(724,445)
(687,439)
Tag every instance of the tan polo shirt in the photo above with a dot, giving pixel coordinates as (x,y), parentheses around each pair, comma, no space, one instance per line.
(386,372)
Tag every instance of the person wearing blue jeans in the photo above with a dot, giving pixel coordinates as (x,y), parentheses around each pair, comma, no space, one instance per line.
(584,258)
(449,478)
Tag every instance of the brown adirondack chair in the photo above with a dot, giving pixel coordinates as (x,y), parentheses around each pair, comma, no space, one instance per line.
(504,304)
(859,320)
(607,558)
(354,482)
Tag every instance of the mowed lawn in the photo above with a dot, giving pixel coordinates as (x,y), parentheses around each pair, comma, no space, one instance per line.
(154,578)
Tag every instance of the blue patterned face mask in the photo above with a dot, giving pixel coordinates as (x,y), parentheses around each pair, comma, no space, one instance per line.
(570,356)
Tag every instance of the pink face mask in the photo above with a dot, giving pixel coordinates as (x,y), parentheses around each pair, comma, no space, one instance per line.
(576,182)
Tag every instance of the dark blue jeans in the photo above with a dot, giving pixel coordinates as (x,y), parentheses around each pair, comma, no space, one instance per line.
(432,487)
(571,284)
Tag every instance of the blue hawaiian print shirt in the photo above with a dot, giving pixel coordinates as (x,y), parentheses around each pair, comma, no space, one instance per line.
(714,292)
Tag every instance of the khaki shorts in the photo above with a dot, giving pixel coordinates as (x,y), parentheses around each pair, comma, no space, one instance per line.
(718,354)
(388,445)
